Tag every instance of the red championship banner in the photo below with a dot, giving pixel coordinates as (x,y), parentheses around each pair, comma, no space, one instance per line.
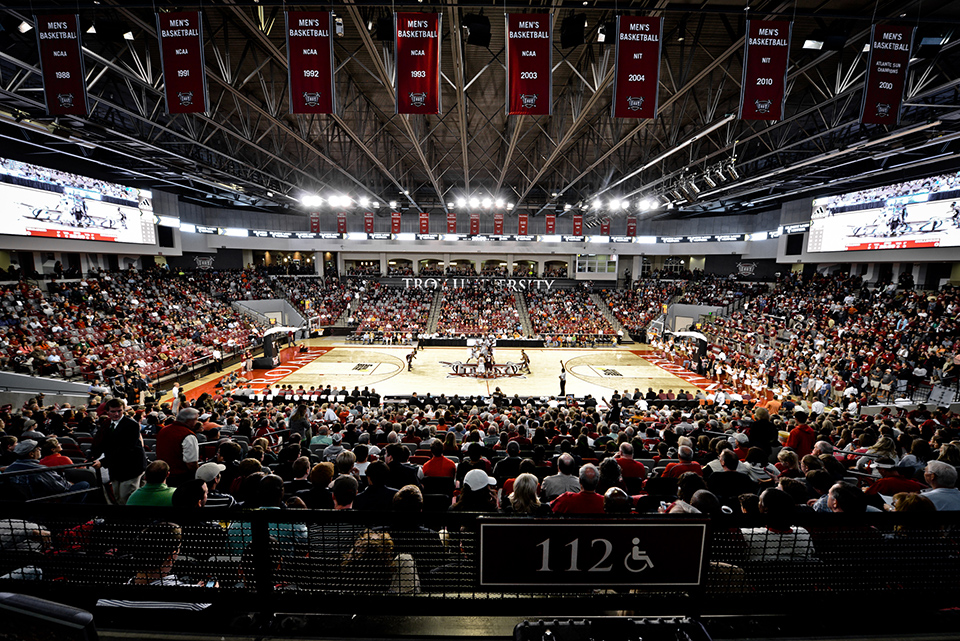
(368,222)
(451,222)
(632,226)
(636,81)
(890,49)
(315,222)
(529,64)
(61,64)
(342,222)
(181,56)
(766,55)
(605,227)
(424,222)
(418,63)
(522,224)
(578,225)
(498,224)
(474,224)
(550,224)
(395,222)
(310,62)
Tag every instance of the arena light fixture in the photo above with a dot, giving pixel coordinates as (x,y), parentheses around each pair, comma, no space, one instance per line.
(644,204)
(500,202)
(393,204)
(474,202)
(364,201)
(24,27)
(509,206)
(595,204)
(487,203)
(613,205)
(461,202)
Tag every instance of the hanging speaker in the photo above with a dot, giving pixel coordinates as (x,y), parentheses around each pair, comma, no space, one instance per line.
(478,30)
(571,30)
(385,29)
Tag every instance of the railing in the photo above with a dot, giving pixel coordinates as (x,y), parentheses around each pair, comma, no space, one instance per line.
(325,561)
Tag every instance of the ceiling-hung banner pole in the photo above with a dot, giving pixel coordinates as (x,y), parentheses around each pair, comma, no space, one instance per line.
(368,222)
(474,224)
(61,64)
(310,62)
(578,225)
(522,221)
(636,81)
(498,224)
(395,222)
(890,49)
(451,222)
(632,226)
(550,224)
(766,56)
(418,63)
(181,56)
(529,64)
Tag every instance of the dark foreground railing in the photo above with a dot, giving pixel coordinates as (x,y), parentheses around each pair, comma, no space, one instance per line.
(270,561)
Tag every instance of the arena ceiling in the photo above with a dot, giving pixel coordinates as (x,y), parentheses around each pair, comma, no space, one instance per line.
(249,152)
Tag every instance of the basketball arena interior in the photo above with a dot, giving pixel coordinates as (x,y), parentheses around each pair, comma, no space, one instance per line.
(579,319)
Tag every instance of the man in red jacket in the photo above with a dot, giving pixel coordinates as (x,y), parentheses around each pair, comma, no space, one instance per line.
(177,445)
(802,437)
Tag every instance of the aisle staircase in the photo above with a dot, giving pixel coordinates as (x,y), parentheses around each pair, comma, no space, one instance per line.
(434,317)
(611,318)
(524,314)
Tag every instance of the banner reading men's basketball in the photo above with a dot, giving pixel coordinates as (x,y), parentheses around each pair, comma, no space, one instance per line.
(522,224)
(550,224)
(605,227)
(342,222)
(578,225)
(498,224)
(368,222)
(529,64)
(181,56)
(424,222)
(418,63)
(766,54)
(451,222)
(474,224)
(395,222)
(631,226)
(310,62)
(636,81)
(61,64)
(890,50)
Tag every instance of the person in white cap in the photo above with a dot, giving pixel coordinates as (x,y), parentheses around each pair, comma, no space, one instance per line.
(477,493)
(210,473)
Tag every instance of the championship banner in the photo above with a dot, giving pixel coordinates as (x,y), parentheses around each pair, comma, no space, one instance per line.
(890,49)
(310,62)
(424,222)
(61,64)
(550,224)
(522,224)
(605,227)
(529,64)
(474,224)
(766,55)
(451,222)
(498,224)
(315,223)
(395,222)
(368,222)
(181,57)
(342,223)
(636,81)
(578,225)
(418,63)
(632,226)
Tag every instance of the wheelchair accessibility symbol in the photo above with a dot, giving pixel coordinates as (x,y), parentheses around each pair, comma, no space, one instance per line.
(638,558)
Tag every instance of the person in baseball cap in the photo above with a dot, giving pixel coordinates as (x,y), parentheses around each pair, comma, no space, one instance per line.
(210,473)
(476,495)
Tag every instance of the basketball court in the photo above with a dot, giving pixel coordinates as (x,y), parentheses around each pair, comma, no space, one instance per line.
(331,361)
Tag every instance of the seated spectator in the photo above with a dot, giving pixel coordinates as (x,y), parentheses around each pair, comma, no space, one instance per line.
(586,500)
(563,481)
(685,464)
(38,482)
(942,479)
(779,540)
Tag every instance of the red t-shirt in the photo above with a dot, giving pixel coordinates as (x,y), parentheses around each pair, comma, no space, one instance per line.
(893,484)
(578,503)
(674,470)
(631,469)
(439,466)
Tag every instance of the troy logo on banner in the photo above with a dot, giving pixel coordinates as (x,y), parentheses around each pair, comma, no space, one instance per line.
(634,104)
(766,57)
(311,98)
(763,106)
(636,76)
(65,100)
(185,98)
(418,99)
(528,101)
(883,110)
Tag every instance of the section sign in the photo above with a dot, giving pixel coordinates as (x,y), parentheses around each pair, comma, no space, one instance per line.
(310,62)
(636,80)
(418,63)
(529,64)
(61,64)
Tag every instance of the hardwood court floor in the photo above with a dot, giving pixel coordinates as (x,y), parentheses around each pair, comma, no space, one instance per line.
(589,371)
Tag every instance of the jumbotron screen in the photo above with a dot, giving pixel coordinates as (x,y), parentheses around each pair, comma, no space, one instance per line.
(38,201)
(915,214)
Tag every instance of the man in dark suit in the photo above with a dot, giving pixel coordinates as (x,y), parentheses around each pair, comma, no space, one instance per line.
(120,444)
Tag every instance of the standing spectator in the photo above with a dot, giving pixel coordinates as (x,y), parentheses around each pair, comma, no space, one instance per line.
(118,446)
(177,445)
(802,437)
